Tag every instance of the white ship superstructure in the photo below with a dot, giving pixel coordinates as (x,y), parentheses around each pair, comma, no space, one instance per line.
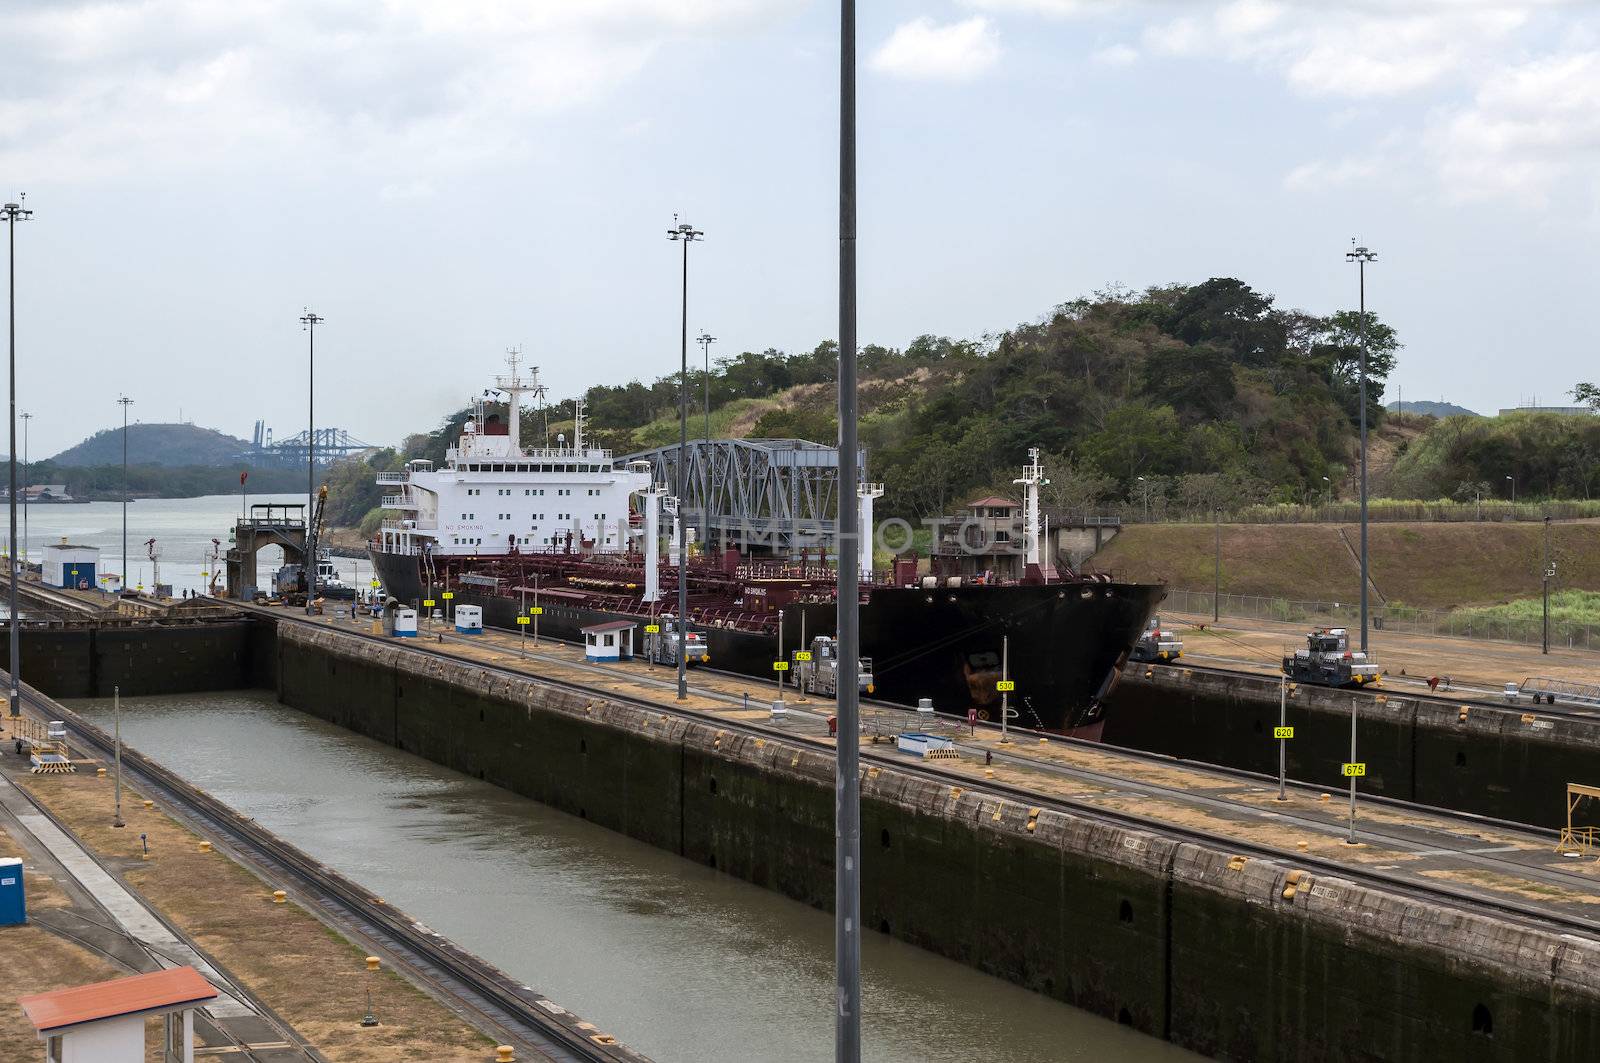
(494,497)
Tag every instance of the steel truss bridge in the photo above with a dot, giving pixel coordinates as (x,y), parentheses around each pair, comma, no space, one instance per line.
(774,495)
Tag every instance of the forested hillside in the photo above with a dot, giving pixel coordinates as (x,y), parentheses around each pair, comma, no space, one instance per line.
(1548,455)
(157,444)
(1206,393)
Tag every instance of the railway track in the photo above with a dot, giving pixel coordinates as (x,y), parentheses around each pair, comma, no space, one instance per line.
(491,999)
(1426,891)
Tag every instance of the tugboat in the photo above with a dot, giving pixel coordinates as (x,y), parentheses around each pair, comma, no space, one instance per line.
(1329,661)
(570,530)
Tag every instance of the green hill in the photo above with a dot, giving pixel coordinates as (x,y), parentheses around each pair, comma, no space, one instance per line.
(1421,564)
(156,444)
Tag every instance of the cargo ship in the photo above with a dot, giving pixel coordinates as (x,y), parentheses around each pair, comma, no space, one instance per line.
(569,530)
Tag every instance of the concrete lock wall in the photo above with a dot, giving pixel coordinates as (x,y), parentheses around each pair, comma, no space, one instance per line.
(1207,950)
(89,661)
(1506,763)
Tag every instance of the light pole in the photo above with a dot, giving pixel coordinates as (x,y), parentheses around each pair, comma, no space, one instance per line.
(1513,480)
(1145,491)
(847,777)
(1327,492)
(685,234)
(124,402)
(14,213)
(26,417)
(310,320)
(705,340)
(1361,256)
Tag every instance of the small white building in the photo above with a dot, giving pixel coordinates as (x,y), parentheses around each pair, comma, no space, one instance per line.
(71,566)
(104,1022)
(611,641)
(469,619)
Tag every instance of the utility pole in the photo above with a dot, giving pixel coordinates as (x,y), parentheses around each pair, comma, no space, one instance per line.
(847,778)
(1005,689)
(705,340)
(311,320)
(14,213)
(1361,256)
(116,715)
(1283,742)
(686,234)
(1547,573)
(124,402)
(1216,570)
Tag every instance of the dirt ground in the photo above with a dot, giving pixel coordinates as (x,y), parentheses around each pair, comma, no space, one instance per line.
(1259,645)
(307,973)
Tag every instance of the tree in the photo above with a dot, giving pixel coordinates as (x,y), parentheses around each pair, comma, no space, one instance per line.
(1137,438)
(1197,380)
(1587,395)
(1074,489)
(1231,314)
(1336,351)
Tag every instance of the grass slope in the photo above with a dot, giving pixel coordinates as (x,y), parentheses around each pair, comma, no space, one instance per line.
(1429,565)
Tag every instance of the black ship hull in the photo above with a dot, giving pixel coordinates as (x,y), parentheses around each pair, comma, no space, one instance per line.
(1064,644)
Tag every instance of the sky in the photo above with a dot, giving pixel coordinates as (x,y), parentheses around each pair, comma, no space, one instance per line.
(442,181)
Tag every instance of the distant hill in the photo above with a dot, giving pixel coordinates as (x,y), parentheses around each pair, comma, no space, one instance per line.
(1432,409)
(156,444)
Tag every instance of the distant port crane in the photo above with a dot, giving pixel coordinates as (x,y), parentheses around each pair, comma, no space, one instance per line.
(332,444)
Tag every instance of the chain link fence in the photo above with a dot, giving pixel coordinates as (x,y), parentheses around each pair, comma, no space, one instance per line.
(1161,510)
(1525,630)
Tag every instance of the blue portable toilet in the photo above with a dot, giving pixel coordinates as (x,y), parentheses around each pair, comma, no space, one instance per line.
(13,904)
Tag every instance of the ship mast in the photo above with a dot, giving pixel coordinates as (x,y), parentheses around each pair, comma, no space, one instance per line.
(1032,479)
(513,386)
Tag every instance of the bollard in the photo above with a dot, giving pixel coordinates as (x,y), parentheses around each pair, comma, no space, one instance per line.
(149,804)
(205,847)
(504,1054)
(279,897)
(373,963)
(99,773)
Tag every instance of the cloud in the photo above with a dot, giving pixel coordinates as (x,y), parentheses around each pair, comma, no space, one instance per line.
(1050,8)
(1530,128)
(98,88)
(1116,55)
(1356,51)
(923,49)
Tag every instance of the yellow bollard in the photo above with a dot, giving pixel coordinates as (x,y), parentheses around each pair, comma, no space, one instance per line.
(205,847)
(373,963)
(99,773)
(279,897)
(504,1054)
(149,804)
